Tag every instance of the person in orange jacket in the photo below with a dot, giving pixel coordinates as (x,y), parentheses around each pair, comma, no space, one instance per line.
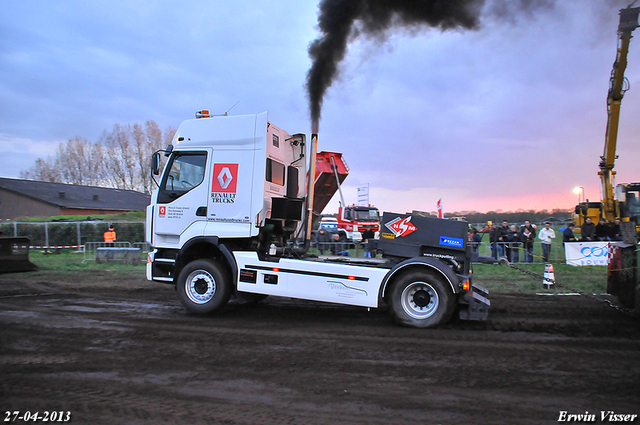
(110,236)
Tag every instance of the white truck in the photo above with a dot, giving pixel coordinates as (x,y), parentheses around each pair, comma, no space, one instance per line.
(230,218)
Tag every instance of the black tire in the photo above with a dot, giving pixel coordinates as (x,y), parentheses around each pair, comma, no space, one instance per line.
(421,299)
(203,286)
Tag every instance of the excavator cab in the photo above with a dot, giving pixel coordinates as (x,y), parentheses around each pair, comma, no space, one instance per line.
(628,195)
(587,209)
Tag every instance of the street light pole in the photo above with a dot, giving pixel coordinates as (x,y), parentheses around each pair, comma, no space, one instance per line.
(579,190)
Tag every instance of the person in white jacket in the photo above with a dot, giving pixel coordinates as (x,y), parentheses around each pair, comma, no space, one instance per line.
(546,235)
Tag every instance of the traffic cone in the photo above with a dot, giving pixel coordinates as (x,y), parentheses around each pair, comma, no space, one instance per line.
(548,274)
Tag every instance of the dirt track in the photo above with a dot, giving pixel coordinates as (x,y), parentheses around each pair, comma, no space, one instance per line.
(124,351)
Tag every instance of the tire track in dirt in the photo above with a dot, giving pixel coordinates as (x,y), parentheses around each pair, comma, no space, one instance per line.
(126,321)
(132,355)
(244,408)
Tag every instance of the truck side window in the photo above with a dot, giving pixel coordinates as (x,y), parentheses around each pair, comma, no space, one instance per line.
(275,172)
(186,171)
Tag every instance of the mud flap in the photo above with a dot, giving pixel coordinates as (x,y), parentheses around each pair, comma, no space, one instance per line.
(475,304)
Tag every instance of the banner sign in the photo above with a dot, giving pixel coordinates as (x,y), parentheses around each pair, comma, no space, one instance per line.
(363,195)
(587,253)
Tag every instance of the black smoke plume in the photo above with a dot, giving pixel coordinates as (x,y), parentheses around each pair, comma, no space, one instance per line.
(342,20)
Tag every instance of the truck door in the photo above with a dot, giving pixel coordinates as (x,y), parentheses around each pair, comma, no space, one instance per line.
(182,197)
(230,193)
(348,218)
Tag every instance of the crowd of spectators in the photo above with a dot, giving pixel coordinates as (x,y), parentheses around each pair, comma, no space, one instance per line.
(602,231)
(508,240)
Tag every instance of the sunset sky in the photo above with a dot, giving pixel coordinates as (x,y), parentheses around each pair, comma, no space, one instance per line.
(510,116)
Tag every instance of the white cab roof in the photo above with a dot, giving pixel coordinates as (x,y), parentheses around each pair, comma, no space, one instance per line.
(234,131)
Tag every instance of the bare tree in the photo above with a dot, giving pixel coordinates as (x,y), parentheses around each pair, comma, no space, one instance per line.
(154,135)
(154,139)
(95,165)
(119,159)
(141,154)
(169,133)
(71,161)
(41,171)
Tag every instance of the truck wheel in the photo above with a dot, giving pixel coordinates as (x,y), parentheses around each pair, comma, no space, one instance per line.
(203,286)
(421,300)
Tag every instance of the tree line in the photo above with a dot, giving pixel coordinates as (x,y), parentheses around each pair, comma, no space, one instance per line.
(518,217)
(513,217)
(119,159)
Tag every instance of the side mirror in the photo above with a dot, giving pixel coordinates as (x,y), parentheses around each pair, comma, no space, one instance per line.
(155,164)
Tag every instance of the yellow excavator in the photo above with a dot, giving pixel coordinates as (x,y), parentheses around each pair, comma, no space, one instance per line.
(624,201)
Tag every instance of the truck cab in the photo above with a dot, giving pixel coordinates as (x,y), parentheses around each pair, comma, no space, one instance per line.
(356,219)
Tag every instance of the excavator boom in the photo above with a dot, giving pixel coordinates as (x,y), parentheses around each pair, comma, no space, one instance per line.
(617,88)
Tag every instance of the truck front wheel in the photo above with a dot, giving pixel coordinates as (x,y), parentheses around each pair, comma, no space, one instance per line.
(421,300)
(203,286)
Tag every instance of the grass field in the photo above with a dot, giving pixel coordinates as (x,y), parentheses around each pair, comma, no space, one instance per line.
(494,277)
(71,262)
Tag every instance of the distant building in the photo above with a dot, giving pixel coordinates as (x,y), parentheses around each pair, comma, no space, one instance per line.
(29,198)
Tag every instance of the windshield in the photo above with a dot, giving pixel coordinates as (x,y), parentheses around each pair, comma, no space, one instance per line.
(187,172)
(366,214)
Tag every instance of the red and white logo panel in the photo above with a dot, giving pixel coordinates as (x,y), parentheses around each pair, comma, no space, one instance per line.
(225,178)
(401,226)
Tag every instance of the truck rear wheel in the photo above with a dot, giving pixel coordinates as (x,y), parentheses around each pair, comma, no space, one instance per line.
(203,286)
(421,300)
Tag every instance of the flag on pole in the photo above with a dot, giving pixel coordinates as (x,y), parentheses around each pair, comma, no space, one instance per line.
(440,215)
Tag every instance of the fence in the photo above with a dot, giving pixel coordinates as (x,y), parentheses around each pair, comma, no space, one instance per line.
(90,235)
(49,234)
(514,252)
(345,249)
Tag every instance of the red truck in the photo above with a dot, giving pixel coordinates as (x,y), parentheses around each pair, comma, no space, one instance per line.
(356,218)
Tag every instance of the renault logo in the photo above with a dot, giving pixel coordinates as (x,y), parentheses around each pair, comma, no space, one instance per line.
(225,178)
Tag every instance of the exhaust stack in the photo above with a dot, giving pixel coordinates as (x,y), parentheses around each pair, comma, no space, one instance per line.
(313,153)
